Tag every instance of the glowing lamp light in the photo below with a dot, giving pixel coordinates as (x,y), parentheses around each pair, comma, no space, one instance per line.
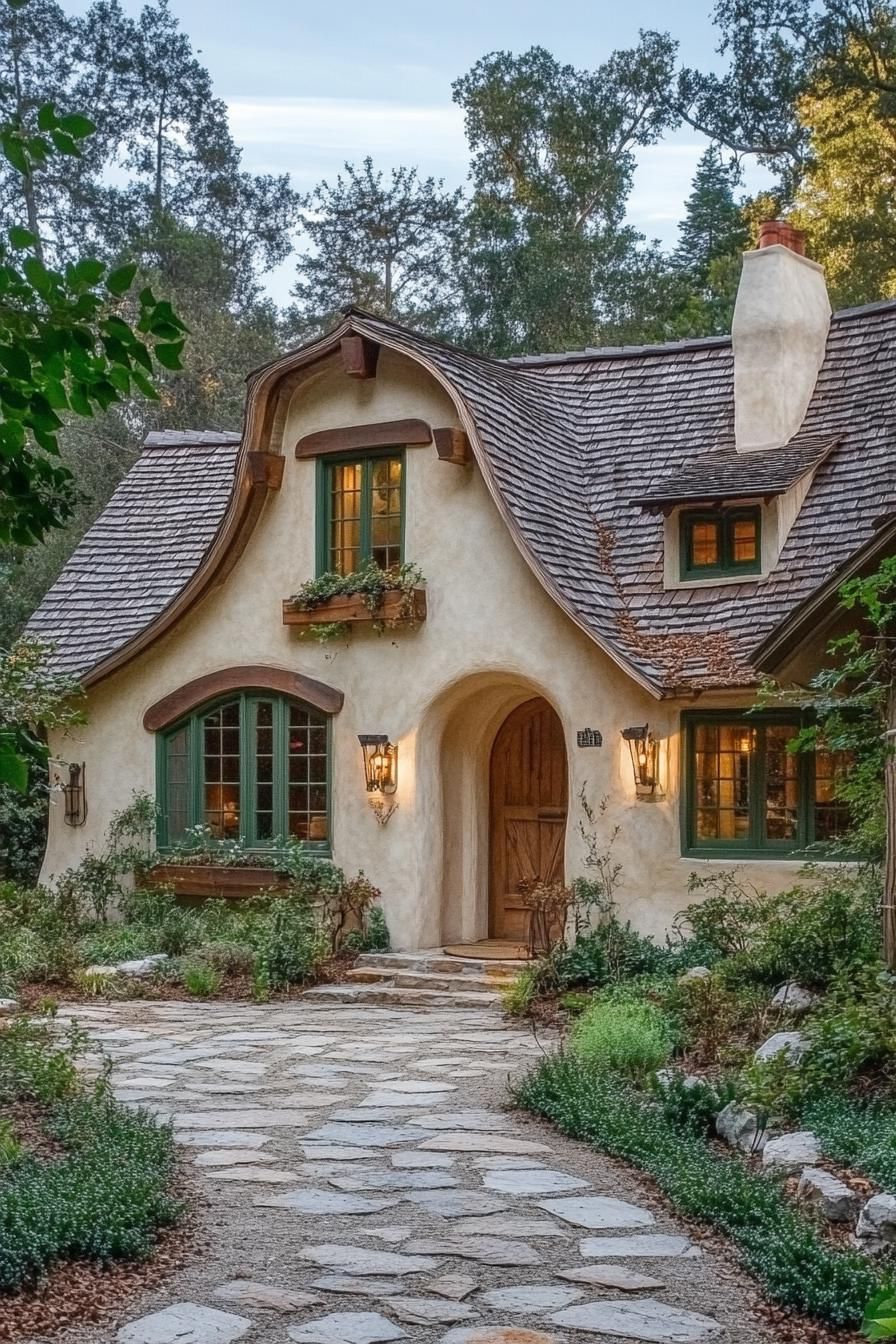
(380,762)
(643,748)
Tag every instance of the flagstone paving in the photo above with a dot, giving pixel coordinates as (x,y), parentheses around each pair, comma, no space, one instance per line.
(399,1204)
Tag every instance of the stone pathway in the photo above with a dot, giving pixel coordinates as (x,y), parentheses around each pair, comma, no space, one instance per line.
(363,1182)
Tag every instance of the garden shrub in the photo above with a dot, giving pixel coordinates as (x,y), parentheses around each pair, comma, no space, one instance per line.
(692,1104)
(811,933)
(227,958)
(781,1248)
(373,937)
(200,979)
(291,945)
(634,1039)
(718,1023)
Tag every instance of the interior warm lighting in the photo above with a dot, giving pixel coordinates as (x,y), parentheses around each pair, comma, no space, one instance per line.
(643,748)
(744,741)
(380,762)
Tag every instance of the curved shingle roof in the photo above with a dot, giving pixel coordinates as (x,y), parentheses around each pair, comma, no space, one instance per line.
(568,445)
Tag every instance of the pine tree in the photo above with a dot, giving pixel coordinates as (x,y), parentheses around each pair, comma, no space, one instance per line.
(713,225)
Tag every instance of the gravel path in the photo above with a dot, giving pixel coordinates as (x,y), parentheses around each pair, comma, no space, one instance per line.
(363,1181)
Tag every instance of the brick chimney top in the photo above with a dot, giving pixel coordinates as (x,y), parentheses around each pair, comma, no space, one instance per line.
(779,231)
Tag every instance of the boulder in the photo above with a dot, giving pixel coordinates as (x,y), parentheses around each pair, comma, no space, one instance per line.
(832,1197)
(8,1006)
(143,965)
(742,1127)
(876,1228)
(793,1044)
(793,998)
(695,973)
(791,1152)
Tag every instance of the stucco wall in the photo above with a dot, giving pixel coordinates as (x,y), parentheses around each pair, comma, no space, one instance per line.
(492,637)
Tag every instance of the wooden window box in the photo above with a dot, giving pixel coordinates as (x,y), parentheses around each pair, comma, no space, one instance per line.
(211,879)
(351,609)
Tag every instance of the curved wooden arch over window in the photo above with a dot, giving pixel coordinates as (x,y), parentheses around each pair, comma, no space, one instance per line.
(254,677)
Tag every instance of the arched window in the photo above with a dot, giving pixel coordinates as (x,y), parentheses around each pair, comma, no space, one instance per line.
(250,766)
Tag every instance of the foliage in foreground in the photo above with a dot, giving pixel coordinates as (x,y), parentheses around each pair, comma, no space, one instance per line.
(106,1196)
(782,1249)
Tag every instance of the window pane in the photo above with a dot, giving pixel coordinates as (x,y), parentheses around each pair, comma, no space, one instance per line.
(177,775)
(832,818)
(264,770)
(782,784)
(306,808)
(722,770)
(704,545)
(385,512)
(744,541)
(345,517)
(221,771)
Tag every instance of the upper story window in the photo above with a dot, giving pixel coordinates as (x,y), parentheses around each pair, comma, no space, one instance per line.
(721,542)
(746,795)
(253,767)
(361,511)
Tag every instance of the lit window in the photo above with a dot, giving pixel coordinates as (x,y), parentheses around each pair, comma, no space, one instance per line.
(361,513)
(717,544)
(746,792)
(253,768)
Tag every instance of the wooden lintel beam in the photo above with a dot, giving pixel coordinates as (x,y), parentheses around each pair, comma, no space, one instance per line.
(359,356)
(453,445)
(266,469)
(360,438)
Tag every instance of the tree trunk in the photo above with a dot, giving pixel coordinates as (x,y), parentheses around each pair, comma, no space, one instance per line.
(28,191)
(889,893)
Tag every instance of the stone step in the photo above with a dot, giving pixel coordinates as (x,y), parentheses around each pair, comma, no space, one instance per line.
(438,964)
(369,975)
(386,993)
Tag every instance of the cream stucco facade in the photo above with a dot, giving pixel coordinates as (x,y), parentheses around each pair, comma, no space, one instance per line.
(493,637)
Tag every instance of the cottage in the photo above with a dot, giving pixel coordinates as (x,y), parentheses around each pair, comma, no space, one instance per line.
(615,544)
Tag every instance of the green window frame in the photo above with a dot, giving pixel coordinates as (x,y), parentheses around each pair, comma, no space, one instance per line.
(719,529)
(744,795)
(357,519)
(252,766)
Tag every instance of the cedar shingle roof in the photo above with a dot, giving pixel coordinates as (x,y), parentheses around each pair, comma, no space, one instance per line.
(727,474)
(569,445)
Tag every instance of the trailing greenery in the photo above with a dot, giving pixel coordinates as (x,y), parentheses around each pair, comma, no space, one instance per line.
(859,1133)
(370,583)
(783,1249)
(108,1193)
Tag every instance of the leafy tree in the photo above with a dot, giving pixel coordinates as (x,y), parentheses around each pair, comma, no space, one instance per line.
(779,51)
(386,245)
(845,200)
(552,166)
(854,703)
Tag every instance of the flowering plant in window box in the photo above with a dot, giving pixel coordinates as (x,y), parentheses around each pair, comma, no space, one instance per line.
(327,607)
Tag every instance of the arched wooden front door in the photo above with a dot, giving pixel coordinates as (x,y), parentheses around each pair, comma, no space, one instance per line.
(528,792)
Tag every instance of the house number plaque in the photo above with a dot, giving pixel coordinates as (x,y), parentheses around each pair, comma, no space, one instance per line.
(589,737)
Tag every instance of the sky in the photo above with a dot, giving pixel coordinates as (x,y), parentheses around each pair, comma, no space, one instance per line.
(311,85)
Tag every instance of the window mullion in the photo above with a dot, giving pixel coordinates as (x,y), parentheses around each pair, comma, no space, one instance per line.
(279,757)
(366,508)
(757,791)
(246,770)
(197,772)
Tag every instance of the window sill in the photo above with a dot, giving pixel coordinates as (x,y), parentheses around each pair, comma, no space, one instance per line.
(762,856)
(717,580)
(396,608)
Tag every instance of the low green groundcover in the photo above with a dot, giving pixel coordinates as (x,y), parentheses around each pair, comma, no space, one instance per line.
(779,1246)
(104,1199)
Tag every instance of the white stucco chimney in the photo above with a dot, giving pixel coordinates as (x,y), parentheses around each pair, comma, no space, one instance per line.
(779,331)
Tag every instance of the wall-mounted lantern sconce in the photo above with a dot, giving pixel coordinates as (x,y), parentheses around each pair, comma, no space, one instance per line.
(380,762)
(70,779)
(643,747)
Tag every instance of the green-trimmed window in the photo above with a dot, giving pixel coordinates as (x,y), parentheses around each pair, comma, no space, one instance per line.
(718,542)
(360,511)
(250,767)
(746,795)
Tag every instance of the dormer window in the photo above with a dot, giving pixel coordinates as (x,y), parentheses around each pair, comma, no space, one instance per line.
(720,542)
